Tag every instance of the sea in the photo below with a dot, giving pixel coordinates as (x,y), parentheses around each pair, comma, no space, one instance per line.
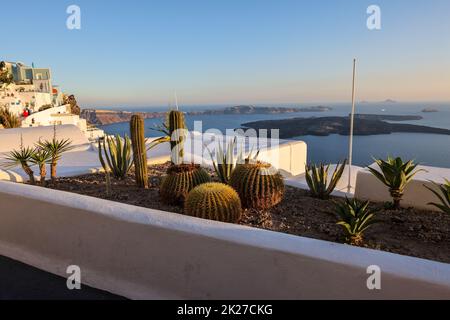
(426,149)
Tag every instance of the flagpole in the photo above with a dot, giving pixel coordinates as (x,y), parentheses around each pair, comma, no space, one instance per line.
(352,117)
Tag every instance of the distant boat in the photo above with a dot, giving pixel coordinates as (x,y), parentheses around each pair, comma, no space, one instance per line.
(383,110)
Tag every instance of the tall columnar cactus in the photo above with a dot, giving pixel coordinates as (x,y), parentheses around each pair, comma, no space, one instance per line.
(259,185)
(174,130)
(181,179)
(176,126)
(139,150)
(214,201)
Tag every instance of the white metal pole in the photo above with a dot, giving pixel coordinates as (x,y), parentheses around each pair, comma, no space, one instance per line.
(352,117)
(176,100)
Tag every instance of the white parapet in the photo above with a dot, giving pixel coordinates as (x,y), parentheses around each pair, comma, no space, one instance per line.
(149,254)
(416,195)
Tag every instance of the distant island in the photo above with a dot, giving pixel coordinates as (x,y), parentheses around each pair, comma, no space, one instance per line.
(104,117)
(390,101)
(324,126)
(429,109)
(387,117)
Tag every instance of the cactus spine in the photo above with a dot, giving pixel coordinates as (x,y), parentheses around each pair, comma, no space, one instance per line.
(139,150)
(259,185)
(214,201)
(181,179)
(177,129)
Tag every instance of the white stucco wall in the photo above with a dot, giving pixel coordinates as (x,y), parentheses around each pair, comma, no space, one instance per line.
(142,253)
(11,138)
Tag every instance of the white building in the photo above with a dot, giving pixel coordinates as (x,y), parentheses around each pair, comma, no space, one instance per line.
(34,98)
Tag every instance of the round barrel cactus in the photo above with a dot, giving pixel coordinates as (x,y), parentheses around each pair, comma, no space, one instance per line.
(181,179)
(214,201)
(259,185)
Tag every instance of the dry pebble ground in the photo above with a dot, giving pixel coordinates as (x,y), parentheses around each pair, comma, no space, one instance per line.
(412,232)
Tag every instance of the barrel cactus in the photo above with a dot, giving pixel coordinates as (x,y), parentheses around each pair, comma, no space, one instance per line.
(214,201)
(181,179)
(259,185)
(139,150)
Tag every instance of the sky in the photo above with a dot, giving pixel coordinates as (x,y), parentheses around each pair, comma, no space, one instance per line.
(139,53)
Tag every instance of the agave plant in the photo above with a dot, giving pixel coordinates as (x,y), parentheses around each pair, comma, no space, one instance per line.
(443,195)
(55,148)
(317,179)
(225,161)
(396,175)
(41,157)
(21,157)
(117,151)
(354,217)
(8,119)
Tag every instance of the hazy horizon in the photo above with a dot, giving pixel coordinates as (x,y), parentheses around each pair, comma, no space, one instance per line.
(235,52)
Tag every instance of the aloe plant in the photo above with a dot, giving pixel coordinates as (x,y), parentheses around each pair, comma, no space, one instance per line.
(117,151)
(396,175)
(225,161)
(443,195)
(355,217)
(21,157)
(317,179)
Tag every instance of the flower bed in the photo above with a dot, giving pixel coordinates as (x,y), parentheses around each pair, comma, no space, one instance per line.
(418,233)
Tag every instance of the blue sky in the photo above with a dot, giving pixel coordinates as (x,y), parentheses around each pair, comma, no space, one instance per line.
(138,53)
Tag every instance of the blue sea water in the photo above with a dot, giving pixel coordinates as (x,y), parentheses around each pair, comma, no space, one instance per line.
(427,149)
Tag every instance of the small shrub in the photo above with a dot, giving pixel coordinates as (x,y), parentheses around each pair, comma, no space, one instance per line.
(214,201)
(317,179)
(354,217)
(396,175)
(443,194)
(9,120)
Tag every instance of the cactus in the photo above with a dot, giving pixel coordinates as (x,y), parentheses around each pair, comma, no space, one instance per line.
(214,201)
(177,128)
(139,151)
(181,179)
(258,184)
(174,129)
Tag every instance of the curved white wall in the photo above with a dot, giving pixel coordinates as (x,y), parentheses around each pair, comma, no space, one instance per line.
(143,253)
(11,138)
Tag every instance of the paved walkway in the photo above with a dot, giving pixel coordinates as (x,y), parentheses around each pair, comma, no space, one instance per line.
(20,281)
